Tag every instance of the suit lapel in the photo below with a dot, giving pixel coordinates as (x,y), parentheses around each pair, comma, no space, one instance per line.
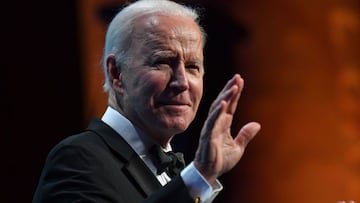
(142,175)
(135,168)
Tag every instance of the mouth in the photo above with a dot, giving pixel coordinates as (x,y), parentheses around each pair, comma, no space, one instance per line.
(173,103)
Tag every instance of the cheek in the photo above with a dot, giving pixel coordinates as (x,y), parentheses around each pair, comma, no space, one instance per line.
(196,94)
(197,88)
(156,81)
(150,84)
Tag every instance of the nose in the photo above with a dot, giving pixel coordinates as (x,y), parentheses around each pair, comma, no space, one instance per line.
(179,78)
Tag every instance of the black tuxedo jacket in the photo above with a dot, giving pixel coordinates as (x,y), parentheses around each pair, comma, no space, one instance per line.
(99,166)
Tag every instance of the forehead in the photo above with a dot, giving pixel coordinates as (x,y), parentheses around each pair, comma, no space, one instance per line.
(164,30)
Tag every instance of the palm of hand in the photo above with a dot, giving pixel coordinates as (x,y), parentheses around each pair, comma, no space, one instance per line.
(218,151)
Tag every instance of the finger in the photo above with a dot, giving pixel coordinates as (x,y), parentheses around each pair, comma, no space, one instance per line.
(233,81)
(225,97)
(235,98)
(247,133)
(205,153)
(213,117)
(228,91)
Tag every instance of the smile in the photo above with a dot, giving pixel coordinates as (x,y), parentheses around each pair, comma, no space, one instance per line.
(172,103)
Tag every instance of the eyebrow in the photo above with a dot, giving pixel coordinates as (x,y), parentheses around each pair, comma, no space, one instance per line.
(165,53)
(172,54)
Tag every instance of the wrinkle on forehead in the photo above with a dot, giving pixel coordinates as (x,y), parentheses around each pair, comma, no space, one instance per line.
(154,29)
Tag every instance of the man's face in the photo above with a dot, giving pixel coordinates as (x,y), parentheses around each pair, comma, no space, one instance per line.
(163,83)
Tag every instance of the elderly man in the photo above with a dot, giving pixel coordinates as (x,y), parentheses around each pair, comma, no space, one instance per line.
(153,66)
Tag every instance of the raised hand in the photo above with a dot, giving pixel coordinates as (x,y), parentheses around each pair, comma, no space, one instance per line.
(218,151)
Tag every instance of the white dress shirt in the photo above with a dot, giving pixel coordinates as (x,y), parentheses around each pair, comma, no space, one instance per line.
(141,143)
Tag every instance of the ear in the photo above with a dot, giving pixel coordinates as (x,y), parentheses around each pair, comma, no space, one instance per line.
(114,73)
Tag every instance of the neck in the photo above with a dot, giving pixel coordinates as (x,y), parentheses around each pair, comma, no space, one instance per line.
(157,137)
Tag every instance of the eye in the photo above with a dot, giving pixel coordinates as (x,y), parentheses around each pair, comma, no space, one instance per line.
(162,63)
(193,66)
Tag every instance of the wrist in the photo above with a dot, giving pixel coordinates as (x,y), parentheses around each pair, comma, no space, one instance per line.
(205,172)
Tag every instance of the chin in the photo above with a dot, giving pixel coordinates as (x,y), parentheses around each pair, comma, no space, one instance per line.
(174,124)
(178,127)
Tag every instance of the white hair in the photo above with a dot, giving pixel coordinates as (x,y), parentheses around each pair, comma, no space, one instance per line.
(118,36)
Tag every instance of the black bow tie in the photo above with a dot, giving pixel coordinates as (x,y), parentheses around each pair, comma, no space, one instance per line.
(170,162)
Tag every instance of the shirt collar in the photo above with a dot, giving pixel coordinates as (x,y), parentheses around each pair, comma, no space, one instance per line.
(134,136)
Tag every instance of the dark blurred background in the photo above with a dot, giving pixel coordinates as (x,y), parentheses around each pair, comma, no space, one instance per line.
(300,60)
(41,85)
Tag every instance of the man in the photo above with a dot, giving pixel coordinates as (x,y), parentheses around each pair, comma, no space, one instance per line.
(153,66)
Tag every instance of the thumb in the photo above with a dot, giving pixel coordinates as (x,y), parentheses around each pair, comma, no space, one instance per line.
(247,133)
